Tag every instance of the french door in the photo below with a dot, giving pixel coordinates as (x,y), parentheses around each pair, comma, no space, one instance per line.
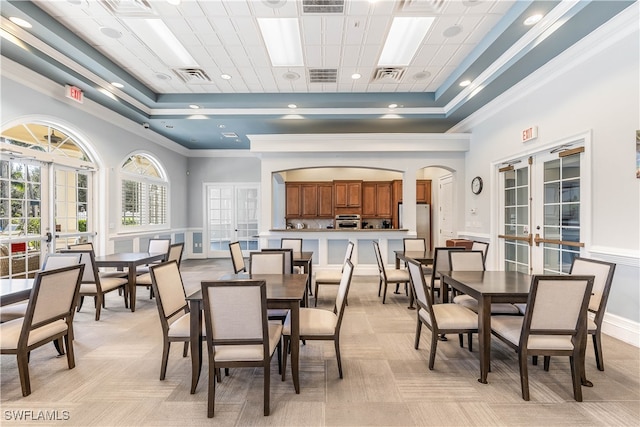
(543,210)
(232,215)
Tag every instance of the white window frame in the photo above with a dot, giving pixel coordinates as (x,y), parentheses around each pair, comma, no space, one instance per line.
(147,182)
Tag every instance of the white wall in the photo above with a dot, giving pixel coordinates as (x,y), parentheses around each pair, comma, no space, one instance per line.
(593,88)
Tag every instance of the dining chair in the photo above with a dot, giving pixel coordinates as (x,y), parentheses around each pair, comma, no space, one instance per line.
(474,261)
(155,246)
(480,246)
(332,277)
(238,332)
(173,309)
(288,257)
(49,317)
(321,324)
(441,319)
(389,276)
(266,263)
(93,285)
(416,244)
(440,263)
(237,259)
(291,243)
(554,324)
(175,254)
(52,261)
(88,246)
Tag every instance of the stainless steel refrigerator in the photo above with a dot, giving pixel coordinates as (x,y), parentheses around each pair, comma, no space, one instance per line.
(423,221)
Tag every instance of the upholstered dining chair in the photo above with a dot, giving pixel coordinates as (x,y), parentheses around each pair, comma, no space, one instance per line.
(480,246)
(291,243)
(93,285)
(155,246)
(175,254)
(237,259)
(49,317)
(441,319)
(52,261)
(288,257)
(332,277)
(88,246)
(416,244)
(388,276)
(554,324)
(320,324)
(474,261)
(238,332)
(440,263)
(173,309)
(266,263)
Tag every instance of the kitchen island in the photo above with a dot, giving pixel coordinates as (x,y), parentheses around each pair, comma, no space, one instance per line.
(329,245)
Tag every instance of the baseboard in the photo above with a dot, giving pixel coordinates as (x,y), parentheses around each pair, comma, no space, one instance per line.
(620,328)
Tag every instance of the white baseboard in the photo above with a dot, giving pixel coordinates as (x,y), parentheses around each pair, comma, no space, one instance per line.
(620,328)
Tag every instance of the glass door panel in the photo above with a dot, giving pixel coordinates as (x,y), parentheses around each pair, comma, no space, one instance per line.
(72,207)
(516,219)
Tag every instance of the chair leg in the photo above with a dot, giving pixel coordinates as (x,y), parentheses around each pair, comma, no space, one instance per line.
(267,385)
(432,352)
(597,347)
(461,339)
(545,362)
(211,391)
(315,304)
(418,332)
(185,351)
(287,344)
(23,372)
(279,350)
(99,303)
(524,374)
(534,360)
(397,288)
(379,287)
(165,358)
(575,376)
(384,295)
(469,339)
(71,360)
(59,346)
(336,342)
(80,304)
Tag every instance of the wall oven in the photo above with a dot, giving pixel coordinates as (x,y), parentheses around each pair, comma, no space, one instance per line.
(348,222)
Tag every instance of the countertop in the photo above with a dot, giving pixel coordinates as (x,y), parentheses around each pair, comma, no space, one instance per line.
(342,230)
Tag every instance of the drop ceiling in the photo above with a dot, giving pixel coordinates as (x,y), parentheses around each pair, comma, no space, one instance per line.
(87,44)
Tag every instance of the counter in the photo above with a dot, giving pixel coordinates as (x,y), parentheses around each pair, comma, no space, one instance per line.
(335,230)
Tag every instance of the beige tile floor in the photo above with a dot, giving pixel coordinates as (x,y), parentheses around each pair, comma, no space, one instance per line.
(386,381)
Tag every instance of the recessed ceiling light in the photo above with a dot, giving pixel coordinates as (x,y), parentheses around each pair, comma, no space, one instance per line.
(118,85)
(356,76)
(533,19)
(225,76)
(194,106)
(221,126)
(465,83)
(393,106)
(422,75)
(452,31)
(169,126)
(292,106)
(290,75)
(112,33)
(174,2)
(162,76)
(20,22)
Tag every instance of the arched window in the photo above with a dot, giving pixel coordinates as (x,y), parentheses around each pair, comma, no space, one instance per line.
(144,193)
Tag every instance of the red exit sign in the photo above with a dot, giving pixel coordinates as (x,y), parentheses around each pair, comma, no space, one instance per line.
(530,133)
(74,93)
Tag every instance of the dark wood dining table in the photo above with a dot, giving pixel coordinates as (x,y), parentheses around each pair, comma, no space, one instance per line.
(129,260)
(14,290)
(423,257)
(284,291)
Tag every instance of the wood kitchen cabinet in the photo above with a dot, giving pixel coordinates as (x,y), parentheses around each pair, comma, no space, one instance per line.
(377,199)
(309,200)
(293,198)
(348,194)
(325,200)
(423,191)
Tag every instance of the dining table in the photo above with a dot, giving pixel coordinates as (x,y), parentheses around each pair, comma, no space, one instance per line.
(14,290)
(284,291)
(129,260)
(423,257)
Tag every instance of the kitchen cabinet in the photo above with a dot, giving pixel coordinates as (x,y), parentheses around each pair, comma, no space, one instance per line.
(377,199)
(309,200)
(348,194)
(293,198)
(423,191)
(325,200)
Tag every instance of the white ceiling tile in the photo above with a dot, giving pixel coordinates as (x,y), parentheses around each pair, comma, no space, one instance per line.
(332,31)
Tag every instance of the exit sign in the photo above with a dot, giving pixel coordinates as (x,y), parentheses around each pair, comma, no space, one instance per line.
(74,93)
(530,133)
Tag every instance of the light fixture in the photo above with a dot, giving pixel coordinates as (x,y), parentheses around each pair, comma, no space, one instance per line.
(173,2)
(533,19)
(225,76)
(282,38)
(118,85)
(20,22)
(155,34)
(356,76)
(404,38)
(292,106)
(194,106)
(465,83)
(392,106)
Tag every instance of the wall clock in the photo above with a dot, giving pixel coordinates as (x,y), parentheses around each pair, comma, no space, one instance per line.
(476,185)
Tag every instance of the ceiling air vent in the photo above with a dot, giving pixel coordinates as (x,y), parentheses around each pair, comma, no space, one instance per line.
(421,6)
(193,76)
(323,6)
(132,8)
(229,134)
(388,74)
(323,75)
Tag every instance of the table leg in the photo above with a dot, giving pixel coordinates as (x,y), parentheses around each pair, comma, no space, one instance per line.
(132,287)
(310,273)
(195,342)
(295,344)
(484,337)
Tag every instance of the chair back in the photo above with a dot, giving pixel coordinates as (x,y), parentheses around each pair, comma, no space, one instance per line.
(343,292)
(53,297)
(466,260)
(557,305)
(288,257)
(414,244)
(175,253)
(266,263)
(289,243)
(237,259)
(168,288)
(90,274)
(348,253)
(157,246)
(235,313)
(59,260)
(87,246)
(441,261)
(381,270)
(480,246)
(420,289)
(603,272)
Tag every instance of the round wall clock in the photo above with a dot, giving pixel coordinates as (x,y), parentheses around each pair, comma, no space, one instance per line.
(476,185)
